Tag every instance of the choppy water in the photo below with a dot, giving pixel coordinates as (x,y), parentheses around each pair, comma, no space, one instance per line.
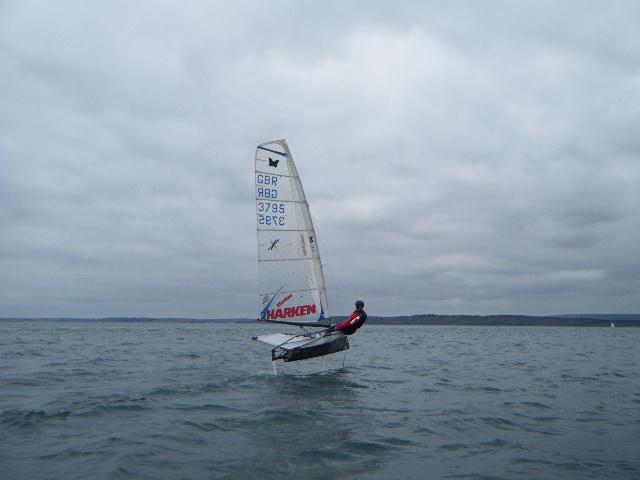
(86,400)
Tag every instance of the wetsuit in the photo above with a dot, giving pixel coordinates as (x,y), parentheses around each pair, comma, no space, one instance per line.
(353,323)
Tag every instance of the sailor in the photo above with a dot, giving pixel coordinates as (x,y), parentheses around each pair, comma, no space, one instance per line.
(354,322)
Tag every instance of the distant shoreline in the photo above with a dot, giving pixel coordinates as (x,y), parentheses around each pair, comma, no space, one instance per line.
(629,320)
(573,320)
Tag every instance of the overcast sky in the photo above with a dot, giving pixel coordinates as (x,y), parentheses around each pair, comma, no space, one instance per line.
(458,157)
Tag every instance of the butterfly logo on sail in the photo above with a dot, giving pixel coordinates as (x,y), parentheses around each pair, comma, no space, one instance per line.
(273,163)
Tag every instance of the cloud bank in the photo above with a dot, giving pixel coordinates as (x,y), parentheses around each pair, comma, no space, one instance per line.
(457,158)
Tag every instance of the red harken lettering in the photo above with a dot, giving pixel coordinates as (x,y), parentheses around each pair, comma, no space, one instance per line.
(290,312)
(284,300)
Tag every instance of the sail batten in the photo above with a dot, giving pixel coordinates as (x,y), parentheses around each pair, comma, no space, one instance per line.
(284,260)
(280,174)
(260,147)
(285,230)
(294,291)
(291,281)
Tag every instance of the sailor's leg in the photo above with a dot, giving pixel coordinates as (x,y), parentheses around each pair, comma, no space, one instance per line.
(275,368)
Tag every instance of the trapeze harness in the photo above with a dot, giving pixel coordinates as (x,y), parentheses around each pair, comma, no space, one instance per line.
(353,323)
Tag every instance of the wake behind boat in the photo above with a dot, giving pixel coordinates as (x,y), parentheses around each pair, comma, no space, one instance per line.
(291,283)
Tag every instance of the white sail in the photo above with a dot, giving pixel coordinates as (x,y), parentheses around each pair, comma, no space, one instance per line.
(291,283)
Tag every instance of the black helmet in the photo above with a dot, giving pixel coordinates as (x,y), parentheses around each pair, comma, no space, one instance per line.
(359,303)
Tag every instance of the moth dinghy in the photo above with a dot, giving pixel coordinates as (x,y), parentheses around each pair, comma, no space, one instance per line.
(292,289)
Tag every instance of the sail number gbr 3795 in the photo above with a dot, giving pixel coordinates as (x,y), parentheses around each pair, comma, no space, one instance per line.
(270,211)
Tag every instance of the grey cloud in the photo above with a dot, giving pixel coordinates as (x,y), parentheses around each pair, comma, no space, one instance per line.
(457,158)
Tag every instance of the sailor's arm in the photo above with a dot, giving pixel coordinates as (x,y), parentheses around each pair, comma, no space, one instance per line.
(349,321)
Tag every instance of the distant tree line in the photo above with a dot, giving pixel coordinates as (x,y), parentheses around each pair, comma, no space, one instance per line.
(506,320)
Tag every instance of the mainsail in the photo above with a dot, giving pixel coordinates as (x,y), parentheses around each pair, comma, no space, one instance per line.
(291,283)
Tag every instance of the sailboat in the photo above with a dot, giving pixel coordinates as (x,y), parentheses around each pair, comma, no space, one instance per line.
(291,285)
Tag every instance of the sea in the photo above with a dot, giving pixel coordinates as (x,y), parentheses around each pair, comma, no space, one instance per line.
(91,400)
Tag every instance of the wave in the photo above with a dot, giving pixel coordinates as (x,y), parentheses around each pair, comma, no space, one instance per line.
(30,418)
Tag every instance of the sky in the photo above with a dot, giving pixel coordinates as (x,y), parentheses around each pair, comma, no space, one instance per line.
(458,157)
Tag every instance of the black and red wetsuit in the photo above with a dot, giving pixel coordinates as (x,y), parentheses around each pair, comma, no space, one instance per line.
(353,323)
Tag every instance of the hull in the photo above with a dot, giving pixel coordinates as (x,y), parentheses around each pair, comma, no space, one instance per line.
(315,348)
